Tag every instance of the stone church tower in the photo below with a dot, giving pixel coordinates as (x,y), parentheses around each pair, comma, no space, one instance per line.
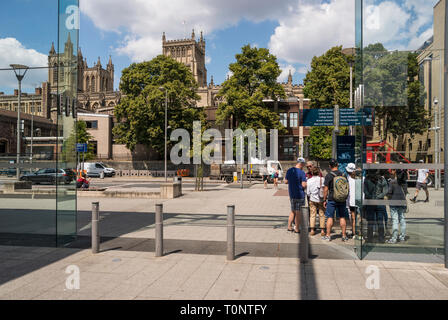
(90,80)
(189,52)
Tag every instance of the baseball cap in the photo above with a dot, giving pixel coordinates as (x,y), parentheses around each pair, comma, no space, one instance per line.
(351,167)
(421,161)
(301,160)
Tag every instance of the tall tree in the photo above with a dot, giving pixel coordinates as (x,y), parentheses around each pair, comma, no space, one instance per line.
(78,135)
(392,87)
(141,113)
(327,85)
(328,82)
(254,78)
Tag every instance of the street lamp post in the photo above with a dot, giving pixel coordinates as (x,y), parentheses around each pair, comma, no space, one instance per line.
(166,128)
(20,71)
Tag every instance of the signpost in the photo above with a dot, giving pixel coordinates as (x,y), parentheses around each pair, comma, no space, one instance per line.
(345,150)
(326,118)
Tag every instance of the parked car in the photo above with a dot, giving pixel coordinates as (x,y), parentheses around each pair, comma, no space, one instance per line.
(94,169)
(50,175)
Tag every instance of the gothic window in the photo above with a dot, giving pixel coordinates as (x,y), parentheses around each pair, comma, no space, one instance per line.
(55,73)
(61,72)
(87,84)
(93,85)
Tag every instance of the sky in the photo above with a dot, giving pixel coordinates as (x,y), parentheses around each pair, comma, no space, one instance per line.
(131,31)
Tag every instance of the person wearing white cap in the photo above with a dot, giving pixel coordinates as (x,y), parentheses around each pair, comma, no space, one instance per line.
(422,183)
(351,200)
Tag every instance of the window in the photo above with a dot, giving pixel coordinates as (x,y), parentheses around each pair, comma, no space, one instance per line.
(92,124)
(294,120)
(420,145)
(429,143)
(288,151)
(284,119)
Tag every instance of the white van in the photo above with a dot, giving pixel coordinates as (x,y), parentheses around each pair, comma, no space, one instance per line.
(95,169)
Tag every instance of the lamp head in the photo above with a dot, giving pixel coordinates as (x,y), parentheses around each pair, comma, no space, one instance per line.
(19,70)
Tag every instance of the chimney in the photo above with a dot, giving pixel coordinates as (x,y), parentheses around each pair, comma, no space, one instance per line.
(16,92)
(2,93)
(38,91)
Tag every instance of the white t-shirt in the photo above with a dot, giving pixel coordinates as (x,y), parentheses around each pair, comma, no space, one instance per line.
(314,185)
(422,175)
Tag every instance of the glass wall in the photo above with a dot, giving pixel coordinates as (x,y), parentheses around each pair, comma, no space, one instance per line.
(37,139)
(401,154)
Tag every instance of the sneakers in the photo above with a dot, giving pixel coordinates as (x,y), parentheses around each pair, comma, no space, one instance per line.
(345,239)
(427,200)
(326,238)
(402,238)
(413,199)
(392,241)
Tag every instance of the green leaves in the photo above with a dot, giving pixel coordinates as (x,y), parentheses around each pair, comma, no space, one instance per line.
(328,82)
(255,74)
(141,113)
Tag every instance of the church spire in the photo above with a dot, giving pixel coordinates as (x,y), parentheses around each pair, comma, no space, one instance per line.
(212,82)
(52,51)
(290,77)
(98,64)
(193,36)
(164,37)
(202,37)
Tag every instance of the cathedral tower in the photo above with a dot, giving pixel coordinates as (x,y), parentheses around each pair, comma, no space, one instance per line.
(189,52)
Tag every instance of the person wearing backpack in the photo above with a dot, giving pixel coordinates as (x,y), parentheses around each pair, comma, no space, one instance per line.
(381,216)
(336,191)
(315,192)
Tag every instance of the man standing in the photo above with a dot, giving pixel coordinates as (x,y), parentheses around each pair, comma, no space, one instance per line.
(336,191)
(296,181)
(422,183)
(351,200)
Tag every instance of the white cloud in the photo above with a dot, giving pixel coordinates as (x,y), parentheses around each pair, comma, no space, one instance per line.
(285,72)
(13,52)
(208,59)
(143,21)
(311,29)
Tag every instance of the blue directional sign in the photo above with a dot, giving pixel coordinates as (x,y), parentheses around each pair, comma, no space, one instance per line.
(349,117)
(81,147)
(317,118)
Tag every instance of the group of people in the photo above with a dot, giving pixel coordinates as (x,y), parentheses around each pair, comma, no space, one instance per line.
(327,196)
(337,195)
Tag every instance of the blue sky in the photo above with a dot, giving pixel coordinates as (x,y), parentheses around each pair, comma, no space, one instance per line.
(130,31)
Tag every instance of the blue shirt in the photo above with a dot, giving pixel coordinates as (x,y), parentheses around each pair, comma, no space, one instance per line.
(295,178)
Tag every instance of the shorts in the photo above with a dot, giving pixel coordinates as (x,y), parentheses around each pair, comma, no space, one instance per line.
(297,204)
(340,208)
(354,209)
(265,178)
(423,186)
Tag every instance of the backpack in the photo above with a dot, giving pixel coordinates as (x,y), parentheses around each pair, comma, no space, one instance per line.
(340,188)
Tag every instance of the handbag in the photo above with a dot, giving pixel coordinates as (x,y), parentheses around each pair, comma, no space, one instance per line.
(321,191)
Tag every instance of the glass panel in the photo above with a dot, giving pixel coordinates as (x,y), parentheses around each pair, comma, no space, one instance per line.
(67,92)
(401,153)
(36,207)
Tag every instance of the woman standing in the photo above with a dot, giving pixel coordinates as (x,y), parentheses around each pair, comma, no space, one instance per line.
(315,193)
(397,212)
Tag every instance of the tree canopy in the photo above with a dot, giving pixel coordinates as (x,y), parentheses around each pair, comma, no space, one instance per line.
(78,135)
(254,78)
(392,87)
(141,113)
(328,82)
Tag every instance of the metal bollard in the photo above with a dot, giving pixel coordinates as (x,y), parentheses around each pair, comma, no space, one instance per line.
(231,233)
(95,227)
(304,245)
(159,230)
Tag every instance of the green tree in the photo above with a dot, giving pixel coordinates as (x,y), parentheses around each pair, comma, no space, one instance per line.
(141,113)
(78,135)
(327,85)
(328,82)
(392,87)
(254,78)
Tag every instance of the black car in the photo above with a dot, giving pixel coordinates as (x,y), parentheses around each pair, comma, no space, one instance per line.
(50,175)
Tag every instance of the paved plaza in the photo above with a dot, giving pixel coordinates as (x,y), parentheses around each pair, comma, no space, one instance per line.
(195,267)
(40,273)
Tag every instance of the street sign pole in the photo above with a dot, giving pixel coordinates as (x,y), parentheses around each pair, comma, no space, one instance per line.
(335,131)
